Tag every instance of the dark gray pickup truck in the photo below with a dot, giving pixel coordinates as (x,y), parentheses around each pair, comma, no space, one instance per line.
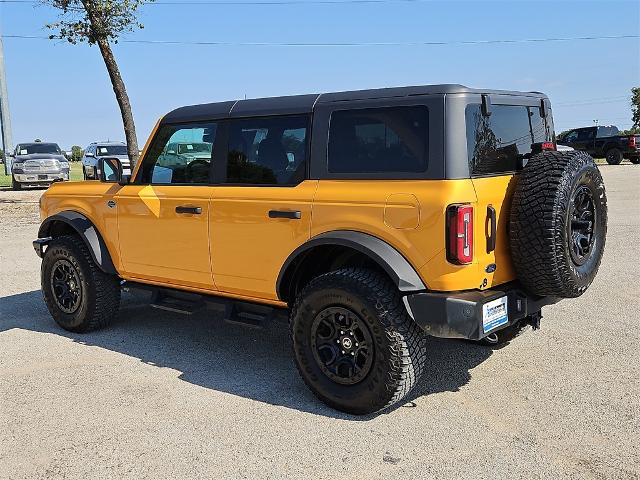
(603,141)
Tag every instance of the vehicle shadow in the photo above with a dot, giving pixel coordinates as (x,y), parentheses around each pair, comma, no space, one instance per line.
(234,359)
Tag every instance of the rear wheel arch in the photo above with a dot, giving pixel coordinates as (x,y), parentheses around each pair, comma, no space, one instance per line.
(73,223)
(339,249)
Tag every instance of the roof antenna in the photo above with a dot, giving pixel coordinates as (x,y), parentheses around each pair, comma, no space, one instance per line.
(245,96)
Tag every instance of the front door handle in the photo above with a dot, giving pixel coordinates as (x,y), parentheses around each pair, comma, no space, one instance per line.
(186,210)
(291,214)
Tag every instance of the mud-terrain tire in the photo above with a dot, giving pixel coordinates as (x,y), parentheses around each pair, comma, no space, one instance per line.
(15,185)
(558,223)
(79,296)
(365,311)
(614,156)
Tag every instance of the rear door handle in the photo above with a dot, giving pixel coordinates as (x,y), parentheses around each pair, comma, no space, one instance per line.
(186,210)
(291,214)
(493,227)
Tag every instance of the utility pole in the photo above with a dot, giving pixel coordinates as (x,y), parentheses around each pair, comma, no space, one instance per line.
(5,120)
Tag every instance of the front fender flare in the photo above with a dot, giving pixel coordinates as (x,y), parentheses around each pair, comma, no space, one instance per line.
(403,275)
(87,231)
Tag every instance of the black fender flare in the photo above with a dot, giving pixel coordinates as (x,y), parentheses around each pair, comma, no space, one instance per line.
(89,234)
(403,275)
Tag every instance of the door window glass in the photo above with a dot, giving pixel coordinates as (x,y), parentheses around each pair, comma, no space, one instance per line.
(180,154)
(267,151)
(379,140)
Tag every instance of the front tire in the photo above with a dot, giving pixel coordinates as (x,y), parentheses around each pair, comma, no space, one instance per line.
(79,296)
(15,185)
(354,344)
(635,160)
(614,156)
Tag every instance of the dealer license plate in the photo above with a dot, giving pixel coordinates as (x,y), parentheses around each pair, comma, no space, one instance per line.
(494,314)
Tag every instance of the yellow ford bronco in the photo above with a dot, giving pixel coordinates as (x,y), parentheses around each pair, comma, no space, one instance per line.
(373,218)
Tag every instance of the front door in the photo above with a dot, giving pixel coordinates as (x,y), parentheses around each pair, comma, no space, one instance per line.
(261,212)
(163,217)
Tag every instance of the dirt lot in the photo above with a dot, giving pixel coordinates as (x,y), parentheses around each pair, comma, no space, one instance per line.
(160,395)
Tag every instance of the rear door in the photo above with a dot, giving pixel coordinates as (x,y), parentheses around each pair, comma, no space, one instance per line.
(261,208)
(497,145)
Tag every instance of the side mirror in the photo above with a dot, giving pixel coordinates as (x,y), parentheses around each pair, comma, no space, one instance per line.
(89,154)
(109,170)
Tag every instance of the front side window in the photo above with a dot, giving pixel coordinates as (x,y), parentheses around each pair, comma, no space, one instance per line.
(267,151)
(500,142)
(180,154)
(379,140)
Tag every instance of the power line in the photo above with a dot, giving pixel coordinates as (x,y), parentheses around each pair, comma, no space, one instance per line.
(266,2)
(351,44)
(601,99)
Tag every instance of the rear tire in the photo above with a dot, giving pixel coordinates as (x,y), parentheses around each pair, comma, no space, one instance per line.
(558,223)
(79,296)
(15,185)
(379,352)
(614,156)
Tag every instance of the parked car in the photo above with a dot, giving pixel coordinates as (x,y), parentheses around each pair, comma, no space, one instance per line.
(38,164)
(603,141)
(398,218)
(97,150)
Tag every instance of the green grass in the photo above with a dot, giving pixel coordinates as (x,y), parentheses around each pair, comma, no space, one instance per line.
(76,174)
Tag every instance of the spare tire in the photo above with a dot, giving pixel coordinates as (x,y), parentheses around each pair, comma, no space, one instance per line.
(558,223)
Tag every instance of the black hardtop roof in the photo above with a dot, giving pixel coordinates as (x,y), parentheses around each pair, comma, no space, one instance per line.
(298,104)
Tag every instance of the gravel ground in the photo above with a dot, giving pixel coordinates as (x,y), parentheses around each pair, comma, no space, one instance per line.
(160,395)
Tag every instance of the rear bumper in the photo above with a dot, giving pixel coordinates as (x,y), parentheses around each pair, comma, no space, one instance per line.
(461,314)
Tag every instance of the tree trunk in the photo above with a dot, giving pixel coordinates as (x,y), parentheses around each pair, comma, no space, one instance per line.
(123,100)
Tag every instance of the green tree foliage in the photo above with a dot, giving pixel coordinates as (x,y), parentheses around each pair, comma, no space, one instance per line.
(76,153)
(101,22)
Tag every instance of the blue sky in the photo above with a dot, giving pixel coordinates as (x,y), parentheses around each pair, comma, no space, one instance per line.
(62,93)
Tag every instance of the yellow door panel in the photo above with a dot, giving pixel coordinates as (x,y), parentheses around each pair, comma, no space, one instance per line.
(248,247)
(495,192)
(158,243)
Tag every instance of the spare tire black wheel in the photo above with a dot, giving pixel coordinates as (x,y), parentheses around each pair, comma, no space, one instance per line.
(558,223)
(614,156)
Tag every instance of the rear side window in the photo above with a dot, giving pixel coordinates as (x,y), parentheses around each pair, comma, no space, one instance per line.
(267,151)
(498,143)
(379,140)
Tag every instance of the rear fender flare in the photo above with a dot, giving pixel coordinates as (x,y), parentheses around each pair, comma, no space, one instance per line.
(400,271)
(89,234)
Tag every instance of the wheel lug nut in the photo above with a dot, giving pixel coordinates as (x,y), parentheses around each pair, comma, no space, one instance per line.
(343,352)
(341,332)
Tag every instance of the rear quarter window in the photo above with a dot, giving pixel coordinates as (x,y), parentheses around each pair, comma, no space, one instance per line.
(500,142)
(379,140)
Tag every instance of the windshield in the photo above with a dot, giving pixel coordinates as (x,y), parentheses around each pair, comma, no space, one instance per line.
(30,148)
(112,150)
(194,148)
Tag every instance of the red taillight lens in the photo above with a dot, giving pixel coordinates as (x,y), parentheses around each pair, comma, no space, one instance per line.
(548,146)
(632,141)
(460,234)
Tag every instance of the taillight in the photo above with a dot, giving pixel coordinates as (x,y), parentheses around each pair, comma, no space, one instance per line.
(548,146)
(632,141)
(460,234)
